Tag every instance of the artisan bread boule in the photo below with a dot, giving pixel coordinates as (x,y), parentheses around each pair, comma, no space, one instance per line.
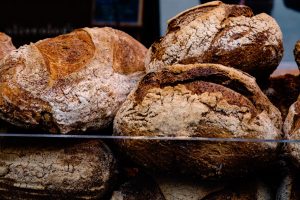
(72,82)
(220,33)
(200,100)
(31,169)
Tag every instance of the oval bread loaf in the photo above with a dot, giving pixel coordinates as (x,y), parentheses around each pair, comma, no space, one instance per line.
(30,169)
(72,82)
(6,45)
(220,33)
(200,100)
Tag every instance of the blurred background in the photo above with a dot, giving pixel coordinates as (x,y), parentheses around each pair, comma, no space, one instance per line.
(31,20)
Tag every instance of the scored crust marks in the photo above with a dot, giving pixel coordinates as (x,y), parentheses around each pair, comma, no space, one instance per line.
(208,35)
(212,96)
(66,54)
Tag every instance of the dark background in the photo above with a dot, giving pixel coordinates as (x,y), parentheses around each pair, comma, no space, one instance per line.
(31,20)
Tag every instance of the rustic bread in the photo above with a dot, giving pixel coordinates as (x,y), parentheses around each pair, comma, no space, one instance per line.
(6,45)
(291,129)
(220,33)
(72,82)
(31,169)
(199,100)
(297,53)
(283,91)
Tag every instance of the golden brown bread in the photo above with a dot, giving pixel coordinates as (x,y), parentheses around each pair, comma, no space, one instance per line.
(220,33)
(36,169)
(70,83)
(200,100)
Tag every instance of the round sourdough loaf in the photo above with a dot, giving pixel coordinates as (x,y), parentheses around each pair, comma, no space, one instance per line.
(6,45)
(200,100)
(72,82)
(220,33)
(297,53)
(31,169)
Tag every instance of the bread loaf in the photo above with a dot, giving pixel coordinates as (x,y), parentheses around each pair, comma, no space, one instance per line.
(291,129)
(6,45)
(200,100)
(71,83)
(34,169)
(297,53)
(220,33)
(283,91)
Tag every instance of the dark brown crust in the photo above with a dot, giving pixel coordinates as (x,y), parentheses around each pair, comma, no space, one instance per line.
(297,53)
(283,91)
(35,169)
(142,187)
(67,54)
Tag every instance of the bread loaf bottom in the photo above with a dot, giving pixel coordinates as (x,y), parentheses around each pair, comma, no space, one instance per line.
(39,169)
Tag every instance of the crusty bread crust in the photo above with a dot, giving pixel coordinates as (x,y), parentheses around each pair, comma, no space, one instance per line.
(6,45)
(70,83)
(201,100)
(220,33)
(30,169)
(291,129)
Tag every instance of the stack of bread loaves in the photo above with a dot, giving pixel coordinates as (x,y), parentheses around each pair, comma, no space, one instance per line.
(197,110)
(185,95)
(70,83)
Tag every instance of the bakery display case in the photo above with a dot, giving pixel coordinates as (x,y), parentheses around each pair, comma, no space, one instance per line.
(96,113)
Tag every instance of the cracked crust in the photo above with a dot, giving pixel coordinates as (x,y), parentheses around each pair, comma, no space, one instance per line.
(201,100)
(70,83)
(66,170)
(291,130)
(220,33)
(297,53)
(6,45)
